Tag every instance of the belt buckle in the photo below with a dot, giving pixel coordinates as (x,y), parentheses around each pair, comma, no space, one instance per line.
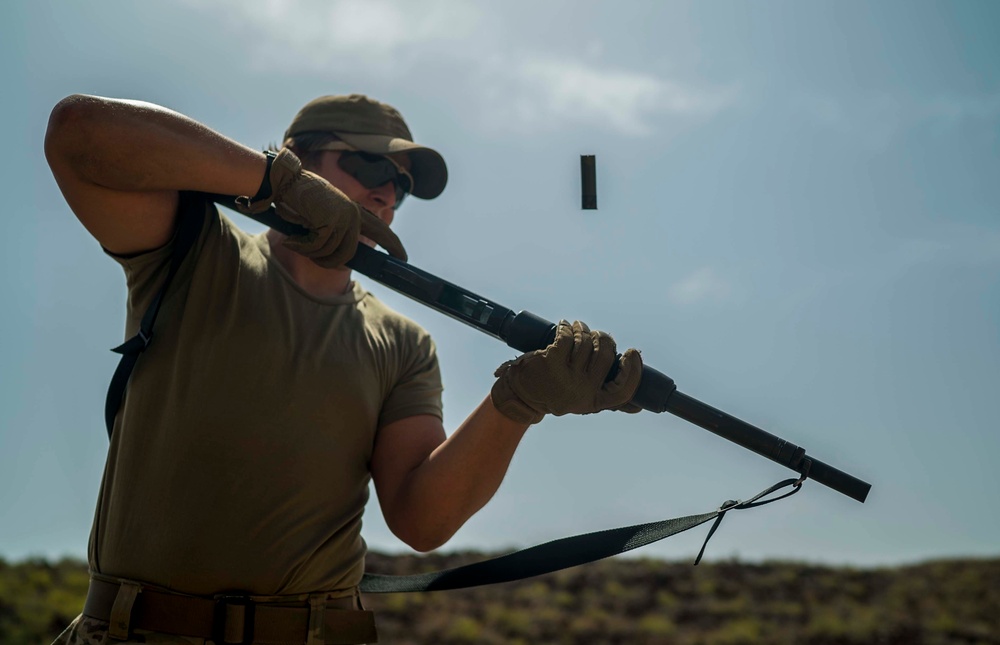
(221,615)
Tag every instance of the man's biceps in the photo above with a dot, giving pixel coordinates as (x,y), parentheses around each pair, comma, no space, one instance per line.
(403,445)
(414,431)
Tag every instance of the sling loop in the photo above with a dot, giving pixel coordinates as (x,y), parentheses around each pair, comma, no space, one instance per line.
(752,502)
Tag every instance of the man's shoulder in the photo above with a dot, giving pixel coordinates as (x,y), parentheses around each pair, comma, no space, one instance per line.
(381,317)
(225,238)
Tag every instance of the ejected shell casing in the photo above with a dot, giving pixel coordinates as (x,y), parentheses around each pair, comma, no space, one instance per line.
(588,181)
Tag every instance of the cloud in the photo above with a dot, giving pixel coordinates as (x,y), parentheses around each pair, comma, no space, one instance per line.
(701,286)
(546,92)
(360,36)
(465,51)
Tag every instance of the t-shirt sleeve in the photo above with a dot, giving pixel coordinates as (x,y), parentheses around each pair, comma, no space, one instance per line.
(145,272)
(418,389)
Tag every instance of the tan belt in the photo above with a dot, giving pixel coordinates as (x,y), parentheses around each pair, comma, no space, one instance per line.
(227,619)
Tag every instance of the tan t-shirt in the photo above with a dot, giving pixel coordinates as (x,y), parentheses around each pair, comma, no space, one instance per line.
(240,457)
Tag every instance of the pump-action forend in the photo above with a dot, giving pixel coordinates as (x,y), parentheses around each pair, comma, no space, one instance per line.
(527,332)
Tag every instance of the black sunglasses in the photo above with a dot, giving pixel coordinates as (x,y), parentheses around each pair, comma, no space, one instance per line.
(373,170)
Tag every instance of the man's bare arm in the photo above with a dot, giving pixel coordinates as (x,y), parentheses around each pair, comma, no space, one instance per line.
(120,165)
(428,486)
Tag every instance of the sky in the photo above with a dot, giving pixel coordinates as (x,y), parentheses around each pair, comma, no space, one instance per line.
(799,221)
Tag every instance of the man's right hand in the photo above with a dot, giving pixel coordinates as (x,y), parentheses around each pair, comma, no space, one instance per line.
(334,221)
(567,377)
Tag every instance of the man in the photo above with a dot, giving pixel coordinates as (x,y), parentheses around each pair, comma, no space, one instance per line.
(276,387)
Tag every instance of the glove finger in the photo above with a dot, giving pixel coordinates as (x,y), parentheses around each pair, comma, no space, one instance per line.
(583,348)
(603,358)
(311,240)
(289,214)
(316,237)
(629,408)
(560,350)
(328,246)
(375,229)
(621,390)
(340,247)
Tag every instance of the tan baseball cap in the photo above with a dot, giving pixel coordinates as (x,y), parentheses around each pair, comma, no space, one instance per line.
(373,126)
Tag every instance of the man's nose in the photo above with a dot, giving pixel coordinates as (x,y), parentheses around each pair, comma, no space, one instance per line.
(385,198)
(386,193)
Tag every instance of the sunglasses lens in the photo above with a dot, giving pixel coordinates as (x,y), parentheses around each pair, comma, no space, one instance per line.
(403,187)
(373,171)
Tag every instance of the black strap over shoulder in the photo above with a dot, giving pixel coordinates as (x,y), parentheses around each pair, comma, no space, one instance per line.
(189,221)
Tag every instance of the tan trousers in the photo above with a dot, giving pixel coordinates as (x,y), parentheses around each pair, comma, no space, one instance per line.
(90,631)
(87,630)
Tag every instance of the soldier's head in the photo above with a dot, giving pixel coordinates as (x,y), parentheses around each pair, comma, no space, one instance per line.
(364,147)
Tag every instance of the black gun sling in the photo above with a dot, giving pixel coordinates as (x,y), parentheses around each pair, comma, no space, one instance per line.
(189,221)
(534,561)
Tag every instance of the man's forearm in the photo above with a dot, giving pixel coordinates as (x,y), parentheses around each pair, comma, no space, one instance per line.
(136,146)
(459,477)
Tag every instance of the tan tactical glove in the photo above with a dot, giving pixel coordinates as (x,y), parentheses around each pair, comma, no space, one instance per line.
(333,219)
(567,377)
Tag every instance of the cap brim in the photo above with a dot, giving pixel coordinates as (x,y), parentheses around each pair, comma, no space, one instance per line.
(430,174)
